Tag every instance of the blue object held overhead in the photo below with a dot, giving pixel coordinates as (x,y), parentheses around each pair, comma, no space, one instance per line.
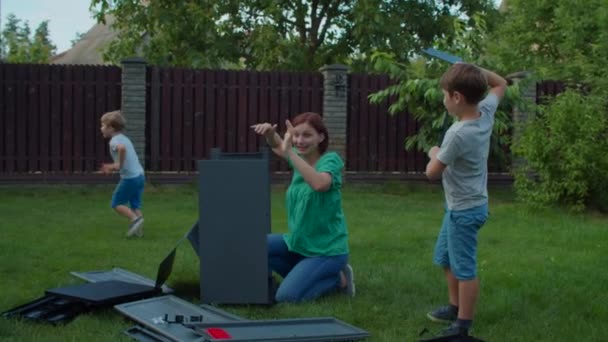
(442,55)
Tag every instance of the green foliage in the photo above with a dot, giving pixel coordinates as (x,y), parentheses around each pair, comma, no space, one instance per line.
(77,37)
(564,144)
(416,89)
(565,151)
(16,45)
(556,39)
(276,35)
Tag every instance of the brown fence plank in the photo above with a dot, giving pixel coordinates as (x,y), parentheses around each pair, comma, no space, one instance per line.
(373,151)
(352,123)
(317,96)
(305,96)
(188,120)
(221,110)
(231,108)
(177,120)
(45,103)
(165,137)
(55,119)
(21,118)
(33,114)
(284,108)
(78,118)
(113,95)
(101,107)
(3,86)
(253,109)
(242,115)
(383,122)
(263,109)
(410,129)
(391,134)
(295,93)
(199,117)
(274,110)
(10,126)
(67,132)
(155,134)
(210,111)
(364,125)
(90,122)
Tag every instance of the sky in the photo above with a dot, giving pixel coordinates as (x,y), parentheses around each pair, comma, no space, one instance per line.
(66,17)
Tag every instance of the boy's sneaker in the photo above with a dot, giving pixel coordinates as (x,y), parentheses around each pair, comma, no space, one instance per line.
(444,314)
(136,227)
(349,290)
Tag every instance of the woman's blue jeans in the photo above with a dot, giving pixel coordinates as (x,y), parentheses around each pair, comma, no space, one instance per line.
(304,278)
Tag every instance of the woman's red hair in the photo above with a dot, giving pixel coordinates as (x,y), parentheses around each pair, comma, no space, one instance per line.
(315,121)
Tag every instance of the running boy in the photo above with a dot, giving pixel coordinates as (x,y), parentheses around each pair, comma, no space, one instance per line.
(131,186)
(461,163)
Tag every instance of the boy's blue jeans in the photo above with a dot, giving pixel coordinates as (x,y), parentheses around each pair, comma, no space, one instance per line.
(304,278)
(456,246)
(129,190)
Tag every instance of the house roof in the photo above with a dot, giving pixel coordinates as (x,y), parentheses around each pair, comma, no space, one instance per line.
(88,50)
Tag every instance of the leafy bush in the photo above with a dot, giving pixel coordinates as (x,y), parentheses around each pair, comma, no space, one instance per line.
(416,90)
(564,148)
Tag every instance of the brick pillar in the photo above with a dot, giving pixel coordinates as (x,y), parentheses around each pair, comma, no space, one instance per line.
(134,103)
(335,96)
(522,115)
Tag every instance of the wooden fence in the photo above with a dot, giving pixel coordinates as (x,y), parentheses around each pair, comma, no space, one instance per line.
(376,139)
(191,111)
(49,116)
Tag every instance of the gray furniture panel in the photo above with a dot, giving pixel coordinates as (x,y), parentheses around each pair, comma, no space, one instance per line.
(282,330)
(150,313)
(119,274)
(234,220)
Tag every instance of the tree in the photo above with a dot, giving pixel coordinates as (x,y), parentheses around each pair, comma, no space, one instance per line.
(41,48)
(78,37)
(416,87)
(277,34)
(561,143)
(18,47)
(554,39)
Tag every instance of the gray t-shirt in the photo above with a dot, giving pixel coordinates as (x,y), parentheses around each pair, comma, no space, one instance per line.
(131,167)
(464,151)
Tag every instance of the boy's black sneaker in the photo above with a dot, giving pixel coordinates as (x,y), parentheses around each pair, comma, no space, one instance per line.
(444,314)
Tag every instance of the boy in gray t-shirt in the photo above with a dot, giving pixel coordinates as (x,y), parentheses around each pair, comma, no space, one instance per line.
(461,163)
(132,180)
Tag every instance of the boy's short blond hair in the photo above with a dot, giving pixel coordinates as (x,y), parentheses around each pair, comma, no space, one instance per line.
(114,119)
(466,79)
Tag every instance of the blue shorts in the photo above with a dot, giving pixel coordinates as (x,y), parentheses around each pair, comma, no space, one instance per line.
(129,190)
(456,246)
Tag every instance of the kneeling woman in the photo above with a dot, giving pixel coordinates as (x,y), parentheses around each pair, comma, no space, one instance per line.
(312,257)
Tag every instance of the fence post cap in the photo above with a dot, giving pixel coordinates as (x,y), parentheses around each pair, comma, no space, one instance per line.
(334,67)
(133,60)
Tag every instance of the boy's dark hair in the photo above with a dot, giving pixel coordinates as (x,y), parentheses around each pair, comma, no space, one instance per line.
(466,79)
(114,119)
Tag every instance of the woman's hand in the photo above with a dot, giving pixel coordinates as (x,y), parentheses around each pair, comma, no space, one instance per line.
(265,129)
(287,139)
(269,132)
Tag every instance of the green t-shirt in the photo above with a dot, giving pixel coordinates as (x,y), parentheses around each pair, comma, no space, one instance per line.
(315,219)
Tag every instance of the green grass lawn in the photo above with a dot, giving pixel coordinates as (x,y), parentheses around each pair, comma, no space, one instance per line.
(543,272)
